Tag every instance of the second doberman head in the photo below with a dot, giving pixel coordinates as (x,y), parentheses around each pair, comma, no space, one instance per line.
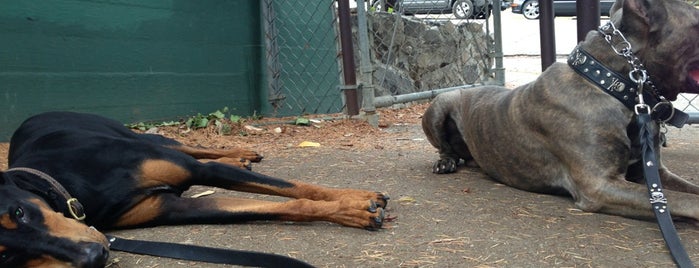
(32,234)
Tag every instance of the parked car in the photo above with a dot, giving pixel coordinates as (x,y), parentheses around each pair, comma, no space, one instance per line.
(561,8)
(462,9)
(504,4)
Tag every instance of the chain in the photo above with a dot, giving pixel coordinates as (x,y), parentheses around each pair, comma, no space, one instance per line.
(638,73)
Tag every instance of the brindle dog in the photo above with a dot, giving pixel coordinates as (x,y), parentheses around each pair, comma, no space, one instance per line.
(562,134)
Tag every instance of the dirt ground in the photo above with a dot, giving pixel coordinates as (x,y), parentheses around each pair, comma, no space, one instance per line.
(455,220)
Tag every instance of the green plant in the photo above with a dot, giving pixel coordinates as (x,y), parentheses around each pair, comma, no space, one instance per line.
(143,126)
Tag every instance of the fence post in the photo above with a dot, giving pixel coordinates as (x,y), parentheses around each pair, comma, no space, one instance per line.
(547,32)
(366,68)
(497,24)
(348,70)
(274,95)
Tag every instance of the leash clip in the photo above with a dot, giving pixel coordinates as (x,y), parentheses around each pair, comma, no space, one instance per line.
(638,108)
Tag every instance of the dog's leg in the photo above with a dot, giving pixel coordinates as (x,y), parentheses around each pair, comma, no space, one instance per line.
(673,182)
(630,199)
(224,176)
(235,157)
(669,180)
(443,133)
(169,209)
(313,202)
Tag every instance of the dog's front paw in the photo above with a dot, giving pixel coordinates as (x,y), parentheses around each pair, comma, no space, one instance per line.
(251,155)
(445,165)
(376,221)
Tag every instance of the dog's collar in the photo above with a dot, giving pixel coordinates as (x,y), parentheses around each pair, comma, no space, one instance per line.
(622,88)
(52,191)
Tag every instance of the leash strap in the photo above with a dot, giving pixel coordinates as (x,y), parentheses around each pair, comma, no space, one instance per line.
(204,254)
(657,198)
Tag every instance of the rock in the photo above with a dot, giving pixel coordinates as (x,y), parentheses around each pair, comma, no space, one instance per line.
(411,55)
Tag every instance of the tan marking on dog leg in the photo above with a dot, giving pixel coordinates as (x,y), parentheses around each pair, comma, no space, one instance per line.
(236,162)
(141,213)
(209,153)
(154,172)
(348,212)
(302,190)
(7,223)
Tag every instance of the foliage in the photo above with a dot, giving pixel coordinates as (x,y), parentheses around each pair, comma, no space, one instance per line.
(222,119)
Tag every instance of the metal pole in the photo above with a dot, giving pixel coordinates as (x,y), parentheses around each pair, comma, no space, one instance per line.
(497,24)
(348,72)
(385,101)
(547,32)
(588,17)
(365,66)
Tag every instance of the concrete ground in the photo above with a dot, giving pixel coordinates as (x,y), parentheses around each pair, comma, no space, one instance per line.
(456,220)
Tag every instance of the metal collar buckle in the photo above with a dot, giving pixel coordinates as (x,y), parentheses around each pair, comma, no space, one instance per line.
(76,209)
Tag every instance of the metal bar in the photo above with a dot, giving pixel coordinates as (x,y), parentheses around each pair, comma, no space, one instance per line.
(385,101)
(274,84)
(588,17)
(365,66)
(693,118)
(348,70)
(547,34)
(497,24)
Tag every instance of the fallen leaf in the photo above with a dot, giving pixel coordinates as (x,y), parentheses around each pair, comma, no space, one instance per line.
(249,127)
(309,144)
(406,199)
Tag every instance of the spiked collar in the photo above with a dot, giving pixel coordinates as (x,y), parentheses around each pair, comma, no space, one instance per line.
(622,88)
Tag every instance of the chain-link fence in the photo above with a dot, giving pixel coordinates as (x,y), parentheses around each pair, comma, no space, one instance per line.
(419,46)
(301,45)
(445,44)
(413,49)
(689,102)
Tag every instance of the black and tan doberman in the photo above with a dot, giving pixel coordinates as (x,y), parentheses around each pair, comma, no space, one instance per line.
(63,166)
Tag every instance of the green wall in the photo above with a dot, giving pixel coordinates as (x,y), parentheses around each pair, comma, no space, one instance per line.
(132,60)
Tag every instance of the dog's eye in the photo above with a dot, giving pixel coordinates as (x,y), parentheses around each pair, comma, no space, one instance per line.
(5,257)
(19,213)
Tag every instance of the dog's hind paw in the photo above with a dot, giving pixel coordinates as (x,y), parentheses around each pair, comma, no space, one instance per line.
(444,165)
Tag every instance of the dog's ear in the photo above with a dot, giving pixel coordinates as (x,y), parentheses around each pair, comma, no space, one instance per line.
(616,6)
(645,12)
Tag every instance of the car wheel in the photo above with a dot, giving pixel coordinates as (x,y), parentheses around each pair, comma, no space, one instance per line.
(462,9)
(530,9)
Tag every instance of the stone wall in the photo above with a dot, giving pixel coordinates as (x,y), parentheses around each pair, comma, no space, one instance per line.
(412,55)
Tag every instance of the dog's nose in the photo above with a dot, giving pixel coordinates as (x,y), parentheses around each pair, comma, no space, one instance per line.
(95,255)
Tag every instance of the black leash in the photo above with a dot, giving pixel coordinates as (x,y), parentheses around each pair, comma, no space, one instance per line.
(657,198)
(645,104)
(204,254)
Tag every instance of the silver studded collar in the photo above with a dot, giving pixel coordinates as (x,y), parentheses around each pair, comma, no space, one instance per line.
(622,88)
